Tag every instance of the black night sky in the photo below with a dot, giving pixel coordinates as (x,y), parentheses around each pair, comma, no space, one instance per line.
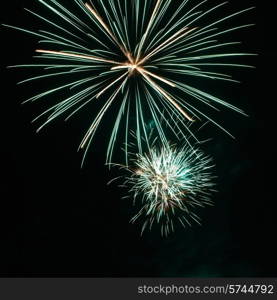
(60,220)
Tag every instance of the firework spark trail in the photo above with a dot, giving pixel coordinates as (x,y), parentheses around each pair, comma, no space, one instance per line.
(99,19)
(78,56)
(169,183)
(147,30)
(166,44)
(160,90)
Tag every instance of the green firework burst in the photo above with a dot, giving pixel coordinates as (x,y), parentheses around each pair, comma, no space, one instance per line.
(133,57)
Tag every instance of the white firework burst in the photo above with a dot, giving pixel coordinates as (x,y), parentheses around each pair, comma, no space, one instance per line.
(170,183)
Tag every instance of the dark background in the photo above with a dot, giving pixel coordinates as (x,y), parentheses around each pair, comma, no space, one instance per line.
(59,220)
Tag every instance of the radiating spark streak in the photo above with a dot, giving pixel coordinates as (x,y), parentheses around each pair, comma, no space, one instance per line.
(125,66)
(159,89)
(165,30)
(78,56)
(110,85)
(159,77)
(147,29)
(133,67)
(61,15)
(100,20)
(100,116)
(164,43)
(167,43)
(130,58)
(52,23)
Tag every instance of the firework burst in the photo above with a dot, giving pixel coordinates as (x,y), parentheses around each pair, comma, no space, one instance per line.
(133,58)
(170,183)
